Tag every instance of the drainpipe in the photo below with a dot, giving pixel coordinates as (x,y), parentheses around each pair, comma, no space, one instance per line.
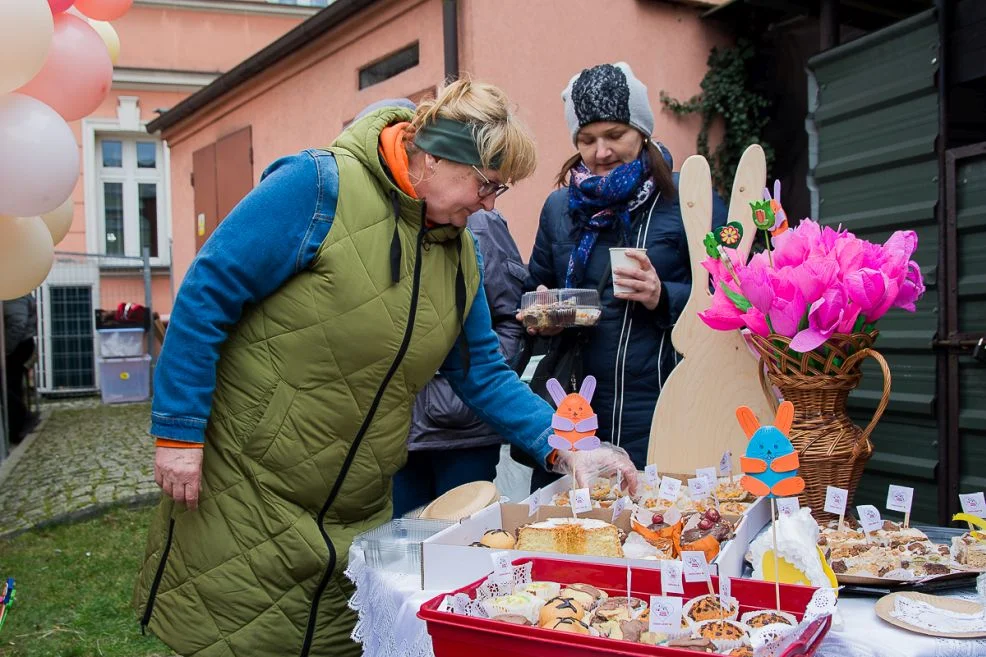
(450,36)
(828,24)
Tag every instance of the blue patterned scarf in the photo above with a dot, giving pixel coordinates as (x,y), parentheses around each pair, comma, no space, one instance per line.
(596,203)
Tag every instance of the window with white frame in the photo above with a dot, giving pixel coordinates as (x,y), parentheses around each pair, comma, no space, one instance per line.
(130,196)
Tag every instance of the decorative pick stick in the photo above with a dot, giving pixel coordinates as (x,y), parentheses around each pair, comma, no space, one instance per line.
(724,236)
(770,466)
(763,219)
(575,423)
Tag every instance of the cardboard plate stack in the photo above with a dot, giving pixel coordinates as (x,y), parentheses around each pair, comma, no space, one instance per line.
(462,502)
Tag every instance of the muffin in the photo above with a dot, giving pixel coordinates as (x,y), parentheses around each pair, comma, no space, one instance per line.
(585,594)
(543,590)
(708,607)
(721,631)
(626,630)
(498,539)
(557,608)
(573,625)
(516,619)
(616,608)
(764,617)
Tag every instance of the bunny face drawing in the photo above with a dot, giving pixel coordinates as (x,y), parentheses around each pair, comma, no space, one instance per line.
(780,217)
(575,423)
(770,465)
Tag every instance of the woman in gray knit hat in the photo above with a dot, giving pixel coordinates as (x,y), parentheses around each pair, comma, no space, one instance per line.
(617,190)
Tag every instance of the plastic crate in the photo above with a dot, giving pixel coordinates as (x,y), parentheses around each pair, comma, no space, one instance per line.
(125,379)
(121,342)
(455,635)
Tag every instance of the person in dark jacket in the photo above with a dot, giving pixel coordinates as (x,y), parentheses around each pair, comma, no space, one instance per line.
(618,190)
(448,445)
(20,321)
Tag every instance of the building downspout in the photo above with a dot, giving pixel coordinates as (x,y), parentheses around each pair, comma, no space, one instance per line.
(450,37)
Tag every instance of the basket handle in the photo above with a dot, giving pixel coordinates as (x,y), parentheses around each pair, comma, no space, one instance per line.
(885,399)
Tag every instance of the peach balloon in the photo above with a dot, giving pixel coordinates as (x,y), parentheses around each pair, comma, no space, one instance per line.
(109,36)
(59,220)
(39,159)
(77,73)
(26,254)
(103,10)
(26,27)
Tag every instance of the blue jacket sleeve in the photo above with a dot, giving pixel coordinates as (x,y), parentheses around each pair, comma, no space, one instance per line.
(271,235)
(492,390)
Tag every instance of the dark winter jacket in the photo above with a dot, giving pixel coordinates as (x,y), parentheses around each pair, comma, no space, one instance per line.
(20,320)
(630,350)
(441,419)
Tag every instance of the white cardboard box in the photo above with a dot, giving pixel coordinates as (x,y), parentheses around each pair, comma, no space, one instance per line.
(449,562)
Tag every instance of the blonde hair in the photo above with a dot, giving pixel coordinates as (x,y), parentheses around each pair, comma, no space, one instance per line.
(498,132)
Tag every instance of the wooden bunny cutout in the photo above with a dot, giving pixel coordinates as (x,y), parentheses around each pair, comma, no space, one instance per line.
(694,420)
(575,423)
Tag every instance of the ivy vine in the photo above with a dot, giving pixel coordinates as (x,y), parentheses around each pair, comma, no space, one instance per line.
(727,93)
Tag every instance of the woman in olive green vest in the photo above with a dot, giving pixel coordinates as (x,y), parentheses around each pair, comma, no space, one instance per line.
(301,334)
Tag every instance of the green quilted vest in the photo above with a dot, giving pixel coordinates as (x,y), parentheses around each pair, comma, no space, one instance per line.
(310,417)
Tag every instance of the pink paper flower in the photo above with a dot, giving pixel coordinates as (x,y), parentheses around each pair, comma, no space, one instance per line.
(756,322)
(912,289)
(824,318)
(723,315)
(787,308)
(873,291)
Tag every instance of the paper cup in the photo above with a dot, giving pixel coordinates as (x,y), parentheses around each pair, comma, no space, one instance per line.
(618,258)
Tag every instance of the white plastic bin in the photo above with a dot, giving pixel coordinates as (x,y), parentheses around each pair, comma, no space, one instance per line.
(125,379)
(121,342)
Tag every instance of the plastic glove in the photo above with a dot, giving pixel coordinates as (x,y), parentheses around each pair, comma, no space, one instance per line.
(584,466)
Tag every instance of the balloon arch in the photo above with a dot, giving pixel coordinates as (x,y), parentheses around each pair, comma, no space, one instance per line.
(58,60)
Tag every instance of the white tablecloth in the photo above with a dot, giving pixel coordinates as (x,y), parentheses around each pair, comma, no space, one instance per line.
(388,626)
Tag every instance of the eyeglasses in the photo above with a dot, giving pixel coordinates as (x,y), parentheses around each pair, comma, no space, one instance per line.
(488,187)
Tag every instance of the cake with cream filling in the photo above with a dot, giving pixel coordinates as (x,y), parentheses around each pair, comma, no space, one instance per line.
(571,536)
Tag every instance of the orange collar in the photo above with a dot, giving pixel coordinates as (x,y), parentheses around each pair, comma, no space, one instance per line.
(395,156)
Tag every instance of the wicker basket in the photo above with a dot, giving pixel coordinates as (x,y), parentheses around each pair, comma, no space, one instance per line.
(833,451)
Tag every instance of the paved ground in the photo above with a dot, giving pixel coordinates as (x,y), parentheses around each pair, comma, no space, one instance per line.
(85,456)
(82,457)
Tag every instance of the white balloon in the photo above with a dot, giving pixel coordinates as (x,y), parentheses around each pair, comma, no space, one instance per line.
(26,28)
(39,159)
(26,254)
(59,220)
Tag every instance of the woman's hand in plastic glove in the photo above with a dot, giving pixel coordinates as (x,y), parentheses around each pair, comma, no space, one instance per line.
(603,461)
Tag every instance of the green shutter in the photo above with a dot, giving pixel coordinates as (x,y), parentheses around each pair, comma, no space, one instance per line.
(874,125)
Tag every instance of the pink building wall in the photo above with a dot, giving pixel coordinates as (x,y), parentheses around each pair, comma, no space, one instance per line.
(530,49)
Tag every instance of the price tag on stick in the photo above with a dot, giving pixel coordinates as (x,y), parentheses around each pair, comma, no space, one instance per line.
(665,614)
(671,577)
(974,504)
(787,506)
(835,502)
(869,518)
(899,499)
(581,501)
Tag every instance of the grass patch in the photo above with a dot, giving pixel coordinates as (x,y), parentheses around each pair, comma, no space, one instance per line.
(74,586)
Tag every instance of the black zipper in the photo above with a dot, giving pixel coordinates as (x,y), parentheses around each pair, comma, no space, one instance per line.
(149,608)
(324,582)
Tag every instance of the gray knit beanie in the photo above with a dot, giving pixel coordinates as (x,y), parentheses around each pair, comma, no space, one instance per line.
(608,92)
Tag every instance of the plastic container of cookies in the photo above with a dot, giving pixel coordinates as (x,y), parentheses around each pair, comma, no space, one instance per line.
(458,635)
(396,545)
(560,308)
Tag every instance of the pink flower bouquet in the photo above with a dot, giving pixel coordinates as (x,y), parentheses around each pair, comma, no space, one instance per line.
(814,283)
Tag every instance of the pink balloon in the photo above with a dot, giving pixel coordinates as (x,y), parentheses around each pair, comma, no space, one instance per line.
(103,10)
(58,6)
(78,72)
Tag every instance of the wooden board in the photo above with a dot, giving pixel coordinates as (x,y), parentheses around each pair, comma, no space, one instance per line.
(695,417)
(885,605)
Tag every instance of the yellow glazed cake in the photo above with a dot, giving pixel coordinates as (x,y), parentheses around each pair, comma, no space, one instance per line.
(571,536)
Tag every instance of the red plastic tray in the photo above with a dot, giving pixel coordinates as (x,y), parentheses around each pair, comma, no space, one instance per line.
(455,635)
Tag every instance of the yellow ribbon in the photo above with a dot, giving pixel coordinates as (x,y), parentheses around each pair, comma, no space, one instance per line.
(973,520)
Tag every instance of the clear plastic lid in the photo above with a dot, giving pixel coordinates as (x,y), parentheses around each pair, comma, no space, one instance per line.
(560,308)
